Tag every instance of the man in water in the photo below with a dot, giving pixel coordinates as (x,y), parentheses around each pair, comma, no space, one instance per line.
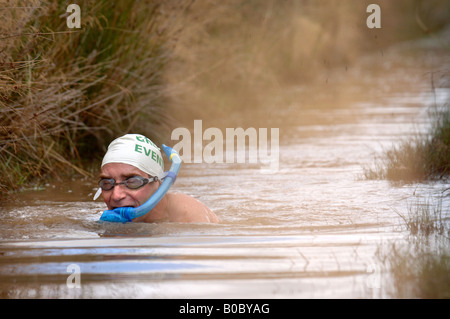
(132,170)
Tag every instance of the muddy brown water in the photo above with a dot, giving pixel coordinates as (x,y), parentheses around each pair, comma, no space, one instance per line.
(309,230)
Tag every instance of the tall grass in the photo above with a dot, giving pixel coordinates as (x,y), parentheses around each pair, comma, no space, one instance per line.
(65,93)
(135,66)
(419,270)
(425,218)
(425,156)
(421,267)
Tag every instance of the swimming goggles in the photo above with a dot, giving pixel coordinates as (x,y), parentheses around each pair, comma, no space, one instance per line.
(133,182)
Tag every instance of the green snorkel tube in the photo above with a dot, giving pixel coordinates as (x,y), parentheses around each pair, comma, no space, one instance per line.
(127,214)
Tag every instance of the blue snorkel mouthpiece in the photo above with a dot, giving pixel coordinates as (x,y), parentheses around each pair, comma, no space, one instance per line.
(127,214)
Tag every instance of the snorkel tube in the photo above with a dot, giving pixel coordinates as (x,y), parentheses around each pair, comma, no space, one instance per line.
(127,214)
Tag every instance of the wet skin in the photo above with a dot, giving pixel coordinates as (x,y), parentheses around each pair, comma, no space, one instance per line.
(174,207)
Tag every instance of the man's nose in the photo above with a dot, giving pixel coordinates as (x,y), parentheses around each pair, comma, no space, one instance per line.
(119,193)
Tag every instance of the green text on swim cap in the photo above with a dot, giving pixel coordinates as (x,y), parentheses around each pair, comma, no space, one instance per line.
(148,152)
(142,138)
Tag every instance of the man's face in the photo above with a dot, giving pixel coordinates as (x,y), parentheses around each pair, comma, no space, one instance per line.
(120,195)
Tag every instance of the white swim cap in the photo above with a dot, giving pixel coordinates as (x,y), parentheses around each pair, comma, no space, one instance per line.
(136,150)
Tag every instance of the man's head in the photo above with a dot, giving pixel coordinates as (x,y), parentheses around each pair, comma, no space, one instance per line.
(131,166)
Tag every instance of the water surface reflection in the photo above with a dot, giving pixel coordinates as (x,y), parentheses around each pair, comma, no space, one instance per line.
(309,230)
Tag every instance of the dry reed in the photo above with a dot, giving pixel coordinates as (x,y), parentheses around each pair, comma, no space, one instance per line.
(142,66)
(65,92)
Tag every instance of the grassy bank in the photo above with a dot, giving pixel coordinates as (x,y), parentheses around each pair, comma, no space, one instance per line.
(421,268)
(65,93)
(424,157)
(141,66)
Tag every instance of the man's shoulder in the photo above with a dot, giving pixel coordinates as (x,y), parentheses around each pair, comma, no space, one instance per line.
(185,208)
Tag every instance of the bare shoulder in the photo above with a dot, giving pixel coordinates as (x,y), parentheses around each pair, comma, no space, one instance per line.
(185,208)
